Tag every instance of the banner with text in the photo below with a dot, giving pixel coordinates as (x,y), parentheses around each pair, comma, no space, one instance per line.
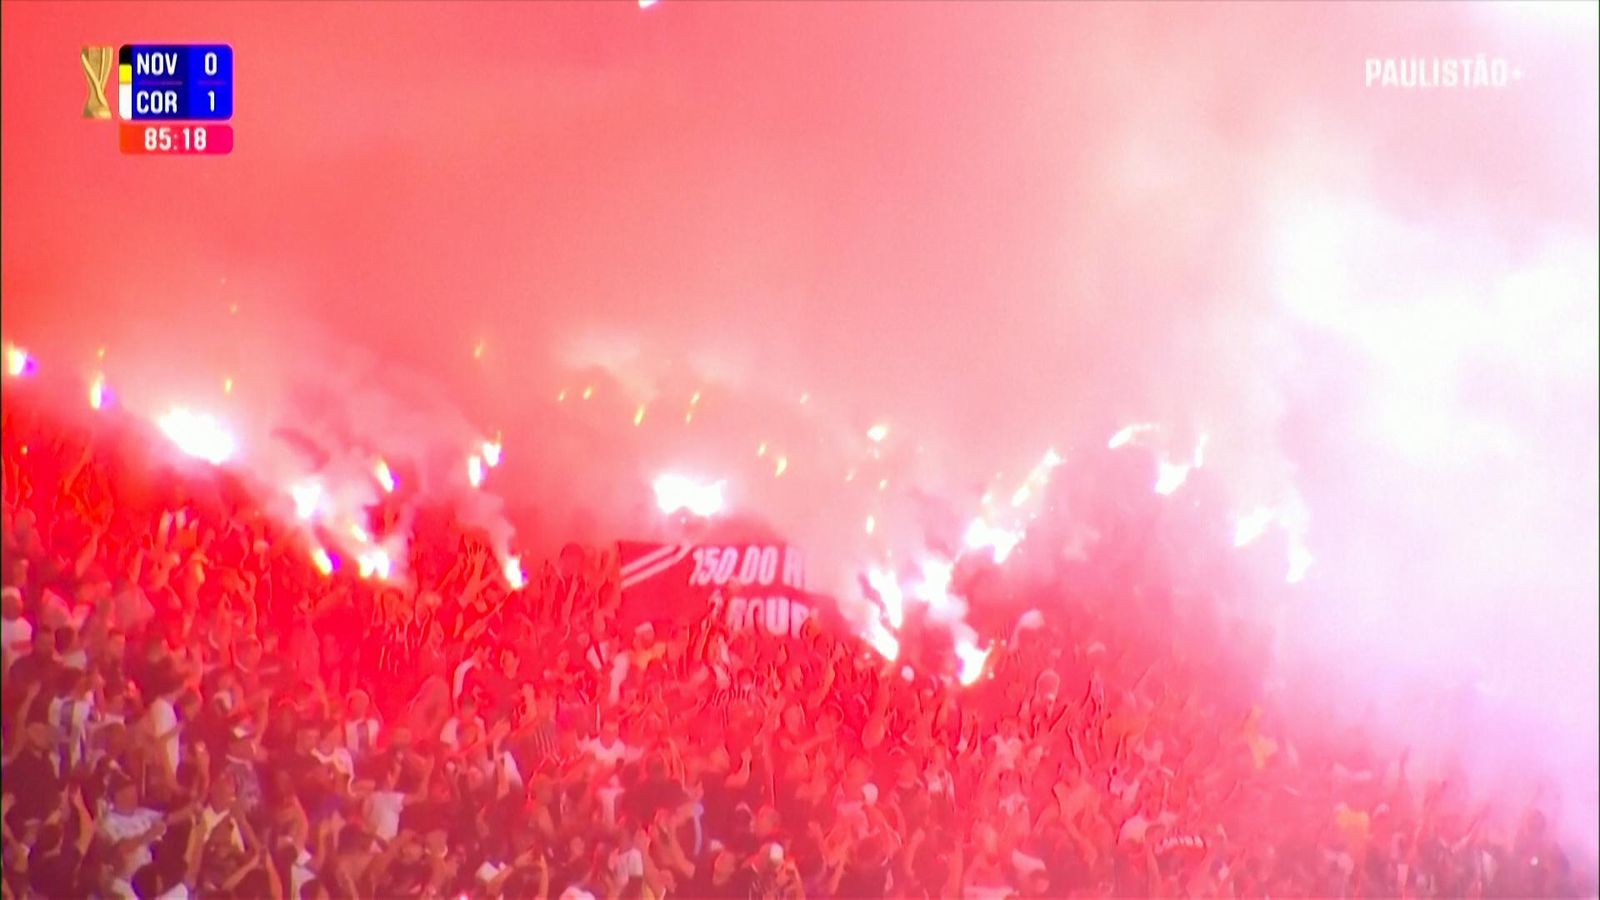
(748,586)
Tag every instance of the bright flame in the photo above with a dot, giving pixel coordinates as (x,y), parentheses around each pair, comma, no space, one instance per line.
(695,400)
(307,498)
(1171,476)
(359,533)
(18,362)
(475,470)
(227,385)
(761,449)
(877,433)
(1037,478)
(97,391)
(197,435)
(380,471)
(973,659)
(872,524)
(675,492)
(562,396)
(935,586)
(783,466)
(880,639)
(588,392)
(888,588)
(323,562)
(491,452)
(513,573)
(1253,526)
(646,4)
(375,562)
(981,534)
(1300,559)
(1128,433)
(638,415)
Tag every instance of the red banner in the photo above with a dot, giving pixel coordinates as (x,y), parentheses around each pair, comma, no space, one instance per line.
(748,586)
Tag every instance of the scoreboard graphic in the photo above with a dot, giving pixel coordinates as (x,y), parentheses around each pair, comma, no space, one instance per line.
(172,99)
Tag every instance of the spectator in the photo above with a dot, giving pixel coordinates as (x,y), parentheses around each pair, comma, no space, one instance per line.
(161,741)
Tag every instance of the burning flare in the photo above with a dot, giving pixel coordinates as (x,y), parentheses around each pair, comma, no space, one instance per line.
(513,573)
(375,562)
(888,589)
(981,535)
(198,435)
(18,362)
(676,492)
(1128,433)
(1253,525)
(307,499)
(380,471)
(973,660)
(881,640)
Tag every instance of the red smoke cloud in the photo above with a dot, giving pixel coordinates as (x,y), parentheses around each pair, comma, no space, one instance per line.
(997,228)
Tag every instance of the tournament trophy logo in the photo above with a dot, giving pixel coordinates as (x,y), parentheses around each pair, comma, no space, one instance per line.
(96,69)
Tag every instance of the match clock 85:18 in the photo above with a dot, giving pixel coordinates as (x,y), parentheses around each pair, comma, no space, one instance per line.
(177,140)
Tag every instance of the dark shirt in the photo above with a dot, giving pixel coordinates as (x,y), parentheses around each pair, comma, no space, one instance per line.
(652,795)
(55,875)
(864,881)
(32,779)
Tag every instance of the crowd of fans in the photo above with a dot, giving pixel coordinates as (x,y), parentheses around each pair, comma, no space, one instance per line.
(192,709)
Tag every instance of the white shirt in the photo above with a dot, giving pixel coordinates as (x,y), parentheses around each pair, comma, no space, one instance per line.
(1133,830)
(608,801)
(164,719)
(300,873)
(1006,751)
(513,773)
(450,734)
(361,737)
(383,813)
(71,715)
(609,755)
(13,632)
(459,679)
(628,864)
(213,816)
(122,826)
(338,760)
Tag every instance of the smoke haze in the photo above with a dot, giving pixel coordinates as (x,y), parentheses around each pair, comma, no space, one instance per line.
(763,229)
